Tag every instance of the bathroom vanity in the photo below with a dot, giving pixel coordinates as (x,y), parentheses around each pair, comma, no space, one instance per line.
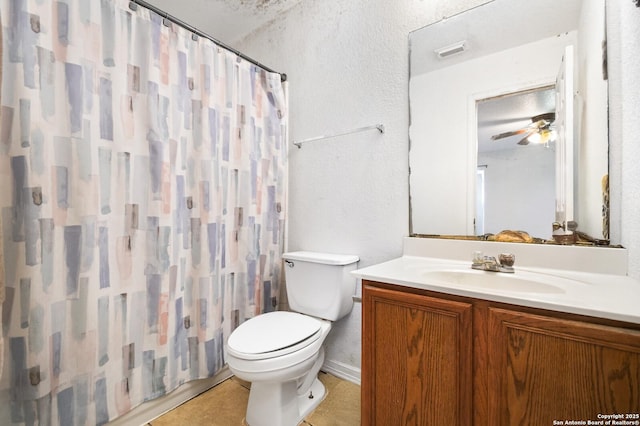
(444,344)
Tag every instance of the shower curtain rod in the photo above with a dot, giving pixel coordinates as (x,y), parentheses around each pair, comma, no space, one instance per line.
(134,3)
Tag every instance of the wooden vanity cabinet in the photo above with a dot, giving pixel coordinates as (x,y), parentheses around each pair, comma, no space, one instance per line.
(431,358)
(544,368)
(416,359)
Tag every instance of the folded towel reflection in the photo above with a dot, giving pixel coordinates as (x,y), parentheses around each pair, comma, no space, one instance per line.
(508,236)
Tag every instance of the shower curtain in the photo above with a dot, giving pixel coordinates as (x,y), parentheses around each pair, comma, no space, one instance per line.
(142,193)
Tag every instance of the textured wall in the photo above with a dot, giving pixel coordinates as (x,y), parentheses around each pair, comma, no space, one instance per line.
(347,63)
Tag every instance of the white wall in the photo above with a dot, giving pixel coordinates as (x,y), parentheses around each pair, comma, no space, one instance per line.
(623,32)
(347,62)
(520,189)
(591,151)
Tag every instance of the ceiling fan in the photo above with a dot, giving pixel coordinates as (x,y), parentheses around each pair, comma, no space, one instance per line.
(540,125)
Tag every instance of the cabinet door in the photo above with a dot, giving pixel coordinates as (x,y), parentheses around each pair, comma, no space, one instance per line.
(543,369)
(416,359)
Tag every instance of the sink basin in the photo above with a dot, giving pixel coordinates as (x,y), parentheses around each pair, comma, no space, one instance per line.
(520,281)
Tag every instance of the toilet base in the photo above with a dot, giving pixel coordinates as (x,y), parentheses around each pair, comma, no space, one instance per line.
(279,403)
(307,404)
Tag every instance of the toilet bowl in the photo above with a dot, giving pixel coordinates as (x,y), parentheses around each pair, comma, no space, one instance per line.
(284,383)
(281,352)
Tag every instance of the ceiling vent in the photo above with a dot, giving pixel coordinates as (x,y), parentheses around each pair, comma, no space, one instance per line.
(452,49)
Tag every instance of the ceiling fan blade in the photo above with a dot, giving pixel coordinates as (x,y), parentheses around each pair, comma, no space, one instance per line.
(525,140)
(547,116)
(507,134)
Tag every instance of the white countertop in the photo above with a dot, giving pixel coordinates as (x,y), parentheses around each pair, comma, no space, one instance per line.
(615,297)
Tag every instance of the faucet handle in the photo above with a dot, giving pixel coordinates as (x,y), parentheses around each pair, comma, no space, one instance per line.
(507,259)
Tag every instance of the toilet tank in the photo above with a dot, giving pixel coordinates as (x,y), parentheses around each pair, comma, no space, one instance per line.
(320,284)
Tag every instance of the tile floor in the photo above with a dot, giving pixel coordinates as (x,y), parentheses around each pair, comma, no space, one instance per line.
(225,405)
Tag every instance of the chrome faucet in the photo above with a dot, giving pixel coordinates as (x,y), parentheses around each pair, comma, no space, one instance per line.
(504,263)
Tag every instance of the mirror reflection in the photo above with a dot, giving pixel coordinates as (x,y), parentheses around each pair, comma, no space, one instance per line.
(515,174)
(494,143)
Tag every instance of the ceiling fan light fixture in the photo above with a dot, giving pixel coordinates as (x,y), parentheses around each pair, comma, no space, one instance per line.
(452,49)
(543,136)
(534,137)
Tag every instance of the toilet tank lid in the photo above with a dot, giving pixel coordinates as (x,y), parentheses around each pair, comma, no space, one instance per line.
(325,258)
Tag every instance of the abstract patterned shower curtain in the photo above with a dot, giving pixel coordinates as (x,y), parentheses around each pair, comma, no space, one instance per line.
(142,185)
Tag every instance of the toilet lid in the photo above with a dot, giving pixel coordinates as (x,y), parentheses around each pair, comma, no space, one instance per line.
(272,331)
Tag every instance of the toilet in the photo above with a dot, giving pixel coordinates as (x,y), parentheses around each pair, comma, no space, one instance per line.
(281,352)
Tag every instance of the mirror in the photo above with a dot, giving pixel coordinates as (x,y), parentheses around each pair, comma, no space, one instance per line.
(493,70)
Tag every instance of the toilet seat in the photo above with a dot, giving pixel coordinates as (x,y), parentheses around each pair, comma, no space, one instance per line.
(273,334)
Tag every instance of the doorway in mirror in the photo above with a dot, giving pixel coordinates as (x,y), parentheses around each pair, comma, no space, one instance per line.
(516,141)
